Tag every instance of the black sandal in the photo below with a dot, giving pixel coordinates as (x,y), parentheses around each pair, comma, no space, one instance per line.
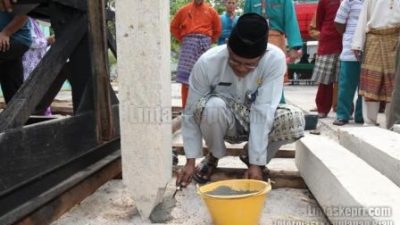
(205,169)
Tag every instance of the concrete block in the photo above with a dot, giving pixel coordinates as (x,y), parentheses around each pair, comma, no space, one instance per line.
(376,146)
(348,189)
(143,41)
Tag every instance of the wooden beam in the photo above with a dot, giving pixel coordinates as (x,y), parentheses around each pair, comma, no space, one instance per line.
(76,4)
(43,155)
(101,90)
(280,179)
(90,180)
(51,93)
(32,91)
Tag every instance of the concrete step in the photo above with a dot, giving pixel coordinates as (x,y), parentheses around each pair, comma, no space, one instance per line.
(376,146)
(345,185)
(286,151)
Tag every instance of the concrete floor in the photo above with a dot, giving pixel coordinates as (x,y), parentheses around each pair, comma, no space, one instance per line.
(112,205)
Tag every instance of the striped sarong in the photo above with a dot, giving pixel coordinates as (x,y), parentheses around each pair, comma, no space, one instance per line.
(193,46)
(378,68)
(326,69)
(288,125)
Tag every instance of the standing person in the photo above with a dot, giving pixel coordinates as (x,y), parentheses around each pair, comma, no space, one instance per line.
(37,50)
(376,37)
(327,63)
(234,94)
(349,78)
(283,24)
(196,25)
(15,39)
(228,20)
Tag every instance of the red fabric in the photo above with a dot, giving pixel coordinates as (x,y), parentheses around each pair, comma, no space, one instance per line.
(324,98)
(184,94)
(330,41)
(196,19)
(305,13)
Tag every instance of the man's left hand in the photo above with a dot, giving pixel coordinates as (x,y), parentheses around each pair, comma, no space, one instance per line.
(4,42)
(254,172)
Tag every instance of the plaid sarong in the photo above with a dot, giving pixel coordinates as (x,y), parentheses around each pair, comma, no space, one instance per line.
(378,68)
(288,124)
(326,69)
(193,46)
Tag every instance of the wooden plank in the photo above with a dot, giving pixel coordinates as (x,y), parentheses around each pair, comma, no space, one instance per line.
(33,90)
(39,148)
(40,163)
(282,176)
(285,151)
(101,90)
(62,107)
(89,181)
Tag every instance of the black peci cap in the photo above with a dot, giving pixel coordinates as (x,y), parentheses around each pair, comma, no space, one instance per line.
(249,37)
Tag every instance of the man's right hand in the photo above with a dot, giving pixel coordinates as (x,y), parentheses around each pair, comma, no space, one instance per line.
(6,5)
(358,54)
(184,176)
(4,42)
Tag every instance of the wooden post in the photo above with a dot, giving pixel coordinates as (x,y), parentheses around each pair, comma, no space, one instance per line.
(99,54)
(143,41)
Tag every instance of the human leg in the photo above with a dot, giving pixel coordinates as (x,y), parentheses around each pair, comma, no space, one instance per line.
(217,121)
(358,113)
(370,112)
(11,74)
(348,82)
(387,114)
(323,99)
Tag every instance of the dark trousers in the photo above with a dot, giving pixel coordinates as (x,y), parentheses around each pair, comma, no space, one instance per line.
(11,69)
(324,97)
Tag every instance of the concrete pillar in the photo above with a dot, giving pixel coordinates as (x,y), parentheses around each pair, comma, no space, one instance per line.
(143,41)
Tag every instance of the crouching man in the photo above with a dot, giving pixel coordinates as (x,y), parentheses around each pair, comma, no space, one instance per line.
(234,96)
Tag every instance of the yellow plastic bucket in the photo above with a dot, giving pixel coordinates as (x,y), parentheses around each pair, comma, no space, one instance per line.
(238,209)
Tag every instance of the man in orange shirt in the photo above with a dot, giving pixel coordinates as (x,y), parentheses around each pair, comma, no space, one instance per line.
(196,25)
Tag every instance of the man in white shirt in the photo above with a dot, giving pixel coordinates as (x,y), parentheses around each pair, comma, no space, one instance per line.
(234,94)
(349,78)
